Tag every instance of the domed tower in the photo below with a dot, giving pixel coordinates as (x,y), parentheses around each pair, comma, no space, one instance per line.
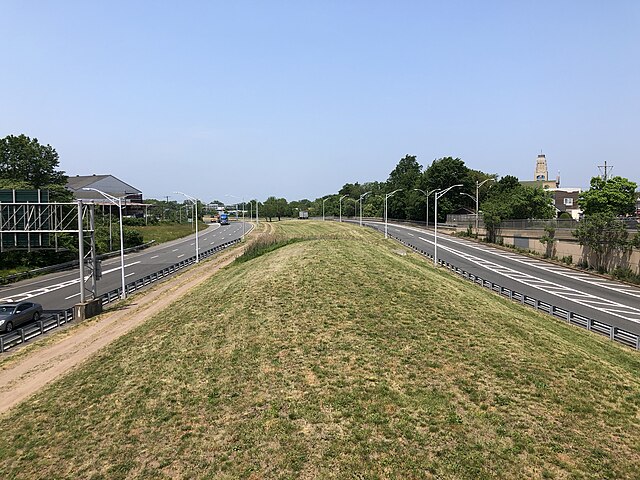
(542,174)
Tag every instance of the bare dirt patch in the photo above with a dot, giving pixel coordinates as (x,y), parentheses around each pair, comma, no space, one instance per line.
(29,373)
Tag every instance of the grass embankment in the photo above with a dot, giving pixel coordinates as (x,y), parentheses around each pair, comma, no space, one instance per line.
(166,232)
(338,357)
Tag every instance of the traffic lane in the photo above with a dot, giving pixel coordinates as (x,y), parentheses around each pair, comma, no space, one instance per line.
(580,281)
(159,253)
(455,258)
(572,278)
(152,262)
(61,290)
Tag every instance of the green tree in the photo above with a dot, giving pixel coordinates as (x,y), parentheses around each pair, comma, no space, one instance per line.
(268,209)
(603,235)
(441,174)
(509,200)
(615,196)
(405,176)
(282,208)
(25,164)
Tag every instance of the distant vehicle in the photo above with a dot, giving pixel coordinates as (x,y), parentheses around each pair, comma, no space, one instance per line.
(303,215)
(211,218)
(224,219)
(16,313)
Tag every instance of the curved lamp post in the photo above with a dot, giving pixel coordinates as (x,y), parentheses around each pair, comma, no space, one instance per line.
(386,197)
(324,200)
(340,202)
(116,201)
(478,185)
(355,207)
(435,244)
(195,203)
(427,195)
(361,197)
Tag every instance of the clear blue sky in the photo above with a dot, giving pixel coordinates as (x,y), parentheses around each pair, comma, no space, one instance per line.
(297,98)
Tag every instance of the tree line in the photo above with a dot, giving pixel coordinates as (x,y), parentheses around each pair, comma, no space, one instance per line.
(26,164)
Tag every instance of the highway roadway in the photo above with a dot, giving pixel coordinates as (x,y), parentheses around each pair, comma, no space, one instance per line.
(593,296)
(61,290)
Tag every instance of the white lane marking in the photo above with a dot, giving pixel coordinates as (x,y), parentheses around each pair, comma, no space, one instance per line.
(120,268)
(175,249)
(212,243)
(52,288)
(180,256)
(41,291)
(191,244)
(410,234)
(595,281)
(586,299)
(71,296)
(129,274)
(155,256)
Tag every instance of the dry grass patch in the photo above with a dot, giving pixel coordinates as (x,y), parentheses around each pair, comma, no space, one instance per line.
(335,357)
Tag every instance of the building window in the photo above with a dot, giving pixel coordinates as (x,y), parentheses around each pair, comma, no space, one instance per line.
(568,202)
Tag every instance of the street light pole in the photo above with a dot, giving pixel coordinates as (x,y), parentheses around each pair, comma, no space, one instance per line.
(324,200)
(426,194)
(386,197)
(195,203)
(361,197)
(118,202)
(475,200)
(478,185)
(435,243)
(340,202)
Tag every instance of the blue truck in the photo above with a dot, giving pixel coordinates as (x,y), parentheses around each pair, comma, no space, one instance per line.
(224,219)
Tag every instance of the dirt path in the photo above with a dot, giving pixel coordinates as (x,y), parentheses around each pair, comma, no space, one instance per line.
(29,373)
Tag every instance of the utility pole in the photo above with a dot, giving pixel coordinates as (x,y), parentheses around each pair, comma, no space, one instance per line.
(605,168)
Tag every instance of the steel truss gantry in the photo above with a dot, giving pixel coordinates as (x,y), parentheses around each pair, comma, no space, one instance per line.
(29,226)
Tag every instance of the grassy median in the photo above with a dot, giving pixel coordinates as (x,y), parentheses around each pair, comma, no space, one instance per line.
(338,355)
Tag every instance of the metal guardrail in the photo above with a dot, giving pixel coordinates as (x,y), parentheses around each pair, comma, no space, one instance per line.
(612,332)
(55,320)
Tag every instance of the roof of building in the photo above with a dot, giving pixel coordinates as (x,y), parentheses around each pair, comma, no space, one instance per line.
(546,184)
(107,183)
(567,190)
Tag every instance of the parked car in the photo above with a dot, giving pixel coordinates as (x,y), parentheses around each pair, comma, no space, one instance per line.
(15,314)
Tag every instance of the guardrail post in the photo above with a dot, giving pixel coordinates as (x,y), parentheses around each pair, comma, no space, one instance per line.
(510,294)
(537,304)
(1,345)
(612,332)
(22,335)
(523,299)
(552,310)
(41,327)
(569,316)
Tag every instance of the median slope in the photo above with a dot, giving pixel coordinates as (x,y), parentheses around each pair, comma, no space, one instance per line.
(337,356)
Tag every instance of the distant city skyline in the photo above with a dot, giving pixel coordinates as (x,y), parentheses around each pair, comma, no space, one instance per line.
(295,99)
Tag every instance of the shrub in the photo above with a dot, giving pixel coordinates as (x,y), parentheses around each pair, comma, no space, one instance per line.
(625,274)
(264,244)
(567,259)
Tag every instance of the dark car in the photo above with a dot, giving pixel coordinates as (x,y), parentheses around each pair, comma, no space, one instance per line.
(15,314)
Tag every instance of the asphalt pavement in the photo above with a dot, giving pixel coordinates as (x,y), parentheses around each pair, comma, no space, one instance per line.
(593,296)
(61,290)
